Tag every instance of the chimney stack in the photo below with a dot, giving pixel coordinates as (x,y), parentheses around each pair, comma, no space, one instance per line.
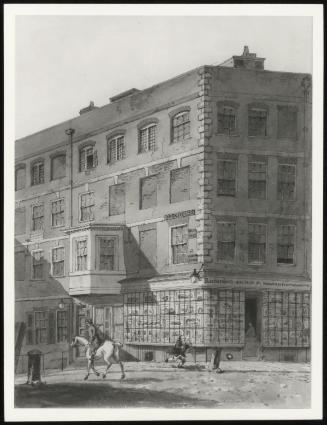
(248,60)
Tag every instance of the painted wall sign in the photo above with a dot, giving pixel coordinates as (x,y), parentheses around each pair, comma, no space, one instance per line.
(259,284)
(179,214)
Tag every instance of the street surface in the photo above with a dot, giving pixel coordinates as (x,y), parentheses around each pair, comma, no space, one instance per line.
(243,384)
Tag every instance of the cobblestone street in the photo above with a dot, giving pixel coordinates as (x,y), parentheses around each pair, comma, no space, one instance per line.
(242,385)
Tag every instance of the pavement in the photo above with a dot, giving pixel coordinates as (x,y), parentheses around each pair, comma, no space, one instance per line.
(244,384)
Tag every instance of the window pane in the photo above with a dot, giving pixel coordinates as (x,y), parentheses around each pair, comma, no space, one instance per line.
(285,244)
(226,120)
(38,217)
(180,185)
(179,244)
(286,182)
(257,180)
(87,206)
(58,261)
(181,127)
(107,254)
(226,178)
(58,217)
(149,192)
(257,243)
(226,241)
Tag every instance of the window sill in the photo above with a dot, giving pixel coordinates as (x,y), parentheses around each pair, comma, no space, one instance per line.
(286,265)
(181,141)
(36,280)
(259,137)
(226,196)
(257,264)
(36,184)
(58,227)
(228,135)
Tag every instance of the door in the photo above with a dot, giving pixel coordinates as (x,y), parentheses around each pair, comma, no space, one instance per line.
(252,331)
(81,329)
(110,320)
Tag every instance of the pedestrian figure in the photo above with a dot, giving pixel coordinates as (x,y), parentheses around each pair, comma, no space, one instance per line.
(215,360)
(179,351)
(250,333)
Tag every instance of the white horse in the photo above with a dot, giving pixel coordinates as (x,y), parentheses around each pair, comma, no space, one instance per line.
(109,350)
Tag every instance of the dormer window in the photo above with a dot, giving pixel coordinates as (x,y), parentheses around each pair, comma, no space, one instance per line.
(37,172)
(87,158)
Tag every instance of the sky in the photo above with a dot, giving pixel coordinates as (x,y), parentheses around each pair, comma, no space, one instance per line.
(64,62)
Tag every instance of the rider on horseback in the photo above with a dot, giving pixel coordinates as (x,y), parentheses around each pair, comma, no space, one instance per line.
(96,338)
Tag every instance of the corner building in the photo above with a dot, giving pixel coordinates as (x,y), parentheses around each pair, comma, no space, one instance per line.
(211,171)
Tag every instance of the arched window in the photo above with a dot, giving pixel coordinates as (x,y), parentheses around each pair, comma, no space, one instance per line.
(147,138)
(116,148)
(37,172)
(20,177)
(58,166)
(87,157)
(180,126)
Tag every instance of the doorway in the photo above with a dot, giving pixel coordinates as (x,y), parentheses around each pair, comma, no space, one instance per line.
(252,327)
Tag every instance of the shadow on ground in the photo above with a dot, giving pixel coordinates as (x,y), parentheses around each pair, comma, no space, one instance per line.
(97,395)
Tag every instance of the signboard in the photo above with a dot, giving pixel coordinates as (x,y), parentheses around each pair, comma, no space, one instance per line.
(259,284)
(179,214)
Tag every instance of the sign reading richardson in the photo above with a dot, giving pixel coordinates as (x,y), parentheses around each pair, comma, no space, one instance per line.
(259,284)
(179,214)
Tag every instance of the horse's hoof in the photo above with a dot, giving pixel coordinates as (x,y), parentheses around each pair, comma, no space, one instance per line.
(103,376)
(219,371)
(85,378)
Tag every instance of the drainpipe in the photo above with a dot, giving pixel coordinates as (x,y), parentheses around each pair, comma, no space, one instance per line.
(70,132)
(306,84)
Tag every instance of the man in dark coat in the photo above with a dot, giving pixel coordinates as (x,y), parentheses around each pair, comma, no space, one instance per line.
(94,336)
(179,350)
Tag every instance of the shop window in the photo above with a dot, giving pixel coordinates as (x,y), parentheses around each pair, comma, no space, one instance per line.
(37,265)
(285,244)
(257,243)
(58,213)
(81,255)
(147,138)
(38,217)
(205,316)
(286,182)
(116,149)
(58,261)
(41,327)
(20,177)
(62,326)
(286,319)
(181,126)
(257,122)
(180,185)
(179,244)
(226,242)
(37,173)
(58,167)
(148,189)
(287,122)
(257,180)
(226,177)
(87,205)
(87,158)
(226,119)
(20,221)
(107,253)
(148,249)
(117,199)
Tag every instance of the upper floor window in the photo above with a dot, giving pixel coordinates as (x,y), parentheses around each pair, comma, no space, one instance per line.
(181,126)
(257,173)
(41,327)
(180,184)
(257,243)
(286,182)
(257,122)
(226,177)
(226,119)
(87,158)
(38,173)
(58,213)
(116,148)
(87,204)
(107,253)
(147,138)
(117,199)
(179,244)
(38,217)
(287,122)
(81,255)
(37,265)
(285,244)
(58,261)
(148,192)
(58,166)
(20,177)
(226,241)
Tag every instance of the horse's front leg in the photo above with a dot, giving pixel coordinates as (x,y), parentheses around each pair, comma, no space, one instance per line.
(122,369)
(88,369)
(93,368)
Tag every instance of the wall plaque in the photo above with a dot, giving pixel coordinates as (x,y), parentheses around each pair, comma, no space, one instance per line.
(179,214)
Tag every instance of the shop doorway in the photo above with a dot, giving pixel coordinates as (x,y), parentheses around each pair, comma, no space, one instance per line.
(252,327)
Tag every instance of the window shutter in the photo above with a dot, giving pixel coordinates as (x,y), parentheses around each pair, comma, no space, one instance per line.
(30,336)
(52,327)
(95,158)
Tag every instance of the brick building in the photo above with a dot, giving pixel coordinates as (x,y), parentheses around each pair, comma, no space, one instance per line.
(209,171)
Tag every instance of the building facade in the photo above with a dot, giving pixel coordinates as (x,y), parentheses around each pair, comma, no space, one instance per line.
(115,210)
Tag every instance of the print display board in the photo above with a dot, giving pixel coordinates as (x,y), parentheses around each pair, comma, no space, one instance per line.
(205,316)
(286,319)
